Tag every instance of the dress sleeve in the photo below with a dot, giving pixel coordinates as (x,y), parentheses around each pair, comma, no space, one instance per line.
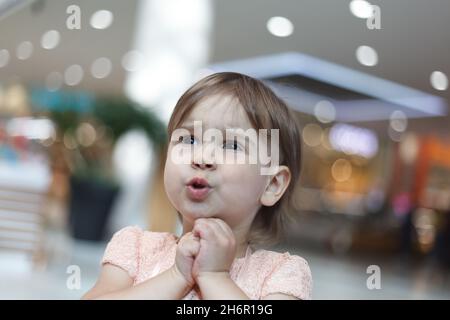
(123,250)
(291,276)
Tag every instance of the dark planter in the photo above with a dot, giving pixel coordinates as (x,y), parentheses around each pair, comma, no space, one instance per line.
(90,207)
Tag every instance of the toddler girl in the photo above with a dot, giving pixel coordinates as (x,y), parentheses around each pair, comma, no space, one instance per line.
(229,197)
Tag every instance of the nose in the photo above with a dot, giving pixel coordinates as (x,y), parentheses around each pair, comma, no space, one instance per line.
(202,161)
(203,166)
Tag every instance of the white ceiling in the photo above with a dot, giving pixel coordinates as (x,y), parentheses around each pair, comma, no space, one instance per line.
(414,39)
(76,47)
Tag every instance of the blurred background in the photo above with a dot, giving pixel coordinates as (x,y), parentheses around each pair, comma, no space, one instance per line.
(87,88)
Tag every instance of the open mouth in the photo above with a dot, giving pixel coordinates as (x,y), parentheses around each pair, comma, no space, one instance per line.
(198,189)
(198,183)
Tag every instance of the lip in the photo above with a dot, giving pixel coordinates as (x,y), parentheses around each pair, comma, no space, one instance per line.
(198,193)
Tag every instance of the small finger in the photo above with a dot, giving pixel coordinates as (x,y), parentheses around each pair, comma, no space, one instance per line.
(225,227)
(193,248)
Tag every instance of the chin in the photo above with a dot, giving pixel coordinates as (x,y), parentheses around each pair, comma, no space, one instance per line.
(193,211)
(193,215)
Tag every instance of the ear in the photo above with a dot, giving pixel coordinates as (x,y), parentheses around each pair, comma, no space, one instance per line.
(277,185)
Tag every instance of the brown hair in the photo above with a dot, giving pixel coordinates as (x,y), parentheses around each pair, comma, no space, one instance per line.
(265,110)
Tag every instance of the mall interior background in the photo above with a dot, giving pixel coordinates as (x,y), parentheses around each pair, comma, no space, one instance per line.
(87,88)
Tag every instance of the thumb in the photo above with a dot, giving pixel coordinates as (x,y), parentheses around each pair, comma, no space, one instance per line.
(194,248)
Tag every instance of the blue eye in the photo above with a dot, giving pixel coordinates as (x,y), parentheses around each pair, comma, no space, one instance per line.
(232,145)
(187,139)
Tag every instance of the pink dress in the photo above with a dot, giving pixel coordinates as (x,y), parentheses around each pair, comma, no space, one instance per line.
(145,254)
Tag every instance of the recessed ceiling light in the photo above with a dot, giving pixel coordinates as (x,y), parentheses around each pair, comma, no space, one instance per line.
(101,68)
(325,111)
(73,75)
(367,56)
(439,80)
(24,50)
(398,121)
(50,39)
(102,19)
(361,9)
(280,26)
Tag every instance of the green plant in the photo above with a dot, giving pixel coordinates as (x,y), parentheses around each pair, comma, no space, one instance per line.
(122,115)
(87,139)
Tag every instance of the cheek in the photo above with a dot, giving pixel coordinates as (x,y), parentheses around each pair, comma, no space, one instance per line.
(171,179)
(244,184)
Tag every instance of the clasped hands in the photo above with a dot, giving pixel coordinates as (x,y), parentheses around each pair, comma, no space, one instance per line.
(207,251)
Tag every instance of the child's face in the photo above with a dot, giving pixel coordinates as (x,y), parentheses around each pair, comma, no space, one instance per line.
(235,189)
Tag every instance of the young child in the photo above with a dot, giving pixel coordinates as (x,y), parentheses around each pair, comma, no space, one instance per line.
(227,208)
